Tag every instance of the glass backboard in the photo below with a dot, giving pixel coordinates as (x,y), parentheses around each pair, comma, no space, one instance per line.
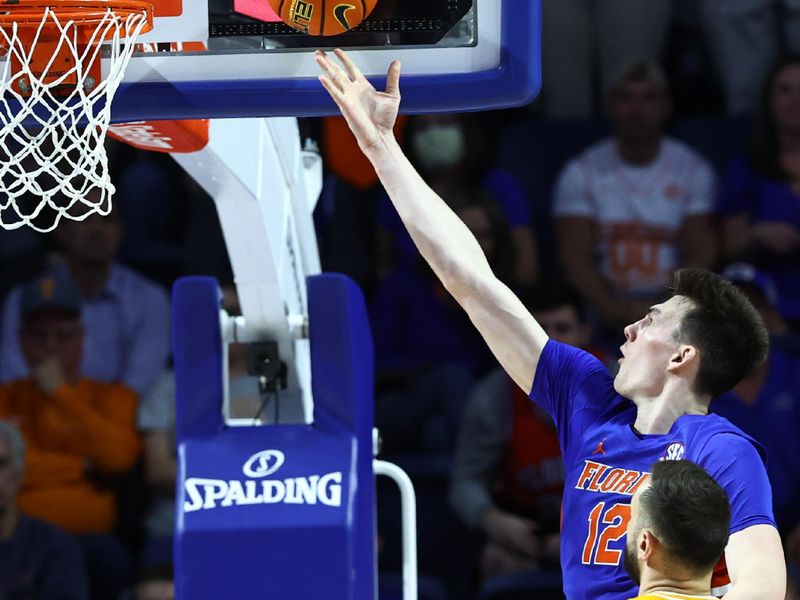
(487,56)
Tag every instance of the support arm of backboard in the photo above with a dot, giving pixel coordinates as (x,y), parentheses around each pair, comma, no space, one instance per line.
(265,188)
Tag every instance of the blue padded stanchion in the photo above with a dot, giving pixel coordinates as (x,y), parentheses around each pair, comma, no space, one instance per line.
(279,511)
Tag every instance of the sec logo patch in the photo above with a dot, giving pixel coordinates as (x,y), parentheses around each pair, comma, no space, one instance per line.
(675,451)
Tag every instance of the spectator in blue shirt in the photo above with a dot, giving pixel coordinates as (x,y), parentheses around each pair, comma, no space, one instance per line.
(126,316)
(759,200)
(37,560)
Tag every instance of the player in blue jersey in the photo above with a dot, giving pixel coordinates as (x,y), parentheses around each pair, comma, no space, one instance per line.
(685,351)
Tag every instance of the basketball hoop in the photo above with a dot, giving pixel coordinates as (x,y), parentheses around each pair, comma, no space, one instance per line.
(55,104)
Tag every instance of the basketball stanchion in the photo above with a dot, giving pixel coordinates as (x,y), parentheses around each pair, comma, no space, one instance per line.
(55,104)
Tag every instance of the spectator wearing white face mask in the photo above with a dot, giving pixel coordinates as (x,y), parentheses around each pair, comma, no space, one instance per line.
(454,156)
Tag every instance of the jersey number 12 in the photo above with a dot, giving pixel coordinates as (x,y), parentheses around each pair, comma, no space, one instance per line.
(605,526)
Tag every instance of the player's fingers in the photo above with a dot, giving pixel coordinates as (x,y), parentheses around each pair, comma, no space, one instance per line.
(334,91)
(322,59)
(323,63)
(331,69)
(352,70)
(393,79)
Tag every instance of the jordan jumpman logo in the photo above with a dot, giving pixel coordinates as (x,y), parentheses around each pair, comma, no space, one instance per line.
(600,448)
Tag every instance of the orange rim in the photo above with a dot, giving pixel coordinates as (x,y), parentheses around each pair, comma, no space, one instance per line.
(29,13)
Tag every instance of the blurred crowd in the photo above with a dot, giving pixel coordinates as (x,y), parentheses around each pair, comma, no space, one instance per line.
(667,134)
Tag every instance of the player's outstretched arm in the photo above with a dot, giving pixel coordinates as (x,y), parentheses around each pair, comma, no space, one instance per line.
(756,564)
(448,246)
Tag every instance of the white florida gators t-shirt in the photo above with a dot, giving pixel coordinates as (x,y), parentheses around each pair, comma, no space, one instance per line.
(639,210)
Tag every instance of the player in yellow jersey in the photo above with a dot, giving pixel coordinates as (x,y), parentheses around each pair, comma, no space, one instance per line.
(678,530)
(669,596)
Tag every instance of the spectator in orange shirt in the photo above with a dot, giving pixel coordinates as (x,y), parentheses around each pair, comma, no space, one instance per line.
(78,431)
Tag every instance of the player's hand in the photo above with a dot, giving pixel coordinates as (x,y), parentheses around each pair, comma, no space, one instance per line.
(369,113)
(511,532)
(48,375)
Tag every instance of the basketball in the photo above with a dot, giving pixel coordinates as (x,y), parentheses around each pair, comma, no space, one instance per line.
(323,17)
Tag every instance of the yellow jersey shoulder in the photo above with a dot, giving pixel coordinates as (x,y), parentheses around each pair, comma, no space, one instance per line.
(671,596)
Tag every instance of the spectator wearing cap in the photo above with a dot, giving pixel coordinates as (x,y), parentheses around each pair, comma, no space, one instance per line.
(80,432)
(636,206)
(766,405)
(125,316)
(37,559)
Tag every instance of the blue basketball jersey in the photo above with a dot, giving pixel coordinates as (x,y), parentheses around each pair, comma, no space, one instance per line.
(605,461)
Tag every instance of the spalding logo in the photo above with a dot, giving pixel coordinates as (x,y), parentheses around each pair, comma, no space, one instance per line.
(263,463)
(320,488)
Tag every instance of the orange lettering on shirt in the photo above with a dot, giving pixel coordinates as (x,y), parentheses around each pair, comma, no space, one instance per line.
(588,470)
(627,480)
(593,486)
(611,479)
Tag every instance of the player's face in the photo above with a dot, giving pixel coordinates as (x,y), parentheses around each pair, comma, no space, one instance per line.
(631,560)
(786,98)
(563,325)
(650,342)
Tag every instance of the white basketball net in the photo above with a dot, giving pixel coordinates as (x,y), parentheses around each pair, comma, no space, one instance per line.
(53,161)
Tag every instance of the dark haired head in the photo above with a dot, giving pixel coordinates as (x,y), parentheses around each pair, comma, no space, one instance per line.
(764,154)
(559,309)
(552,295)
(688,512)
(723,325)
